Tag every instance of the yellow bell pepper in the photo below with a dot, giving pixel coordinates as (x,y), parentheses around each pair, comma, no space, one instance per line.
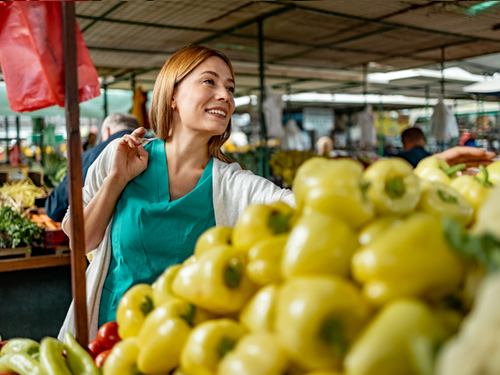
(217,281)
(208,343)
(377,227)
(258,315)
(435,169)
(317,318)
(392,265)
(264,260)
(162,287)
(163,335)
(212,237)
(323,373)
(259,222)
(399,340)
(394,188)
(123,358)
(474,189)
(438,200)
(333,187)
(319,244)
(255,354)
(134,307)
(493,171)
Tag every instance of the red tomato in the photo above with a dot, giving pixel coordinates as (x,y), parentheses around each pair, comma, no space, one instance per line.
(94,348)
(107,336)
(3,343)
(101,358)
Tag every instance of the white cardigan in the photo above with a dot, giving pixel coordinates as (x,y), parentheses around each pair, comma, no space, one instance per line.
(233,190)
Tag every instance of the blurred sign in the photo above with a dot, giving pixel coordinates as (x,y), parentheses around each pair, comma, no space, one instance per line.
(318,119)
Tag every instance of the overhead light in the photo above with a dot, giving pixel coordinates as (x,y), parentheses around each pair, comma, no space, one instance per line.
(482,8)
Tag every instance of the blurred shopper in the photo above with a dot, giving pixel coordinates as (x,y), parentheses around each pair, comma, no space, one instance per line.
(90,142)
(114,126)
(471,142)
(413,145)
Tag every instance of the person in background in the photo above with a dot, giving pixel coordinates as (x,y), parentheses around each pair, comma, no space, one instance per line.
(114,126)
(413,145)
(471,142)
(91,141)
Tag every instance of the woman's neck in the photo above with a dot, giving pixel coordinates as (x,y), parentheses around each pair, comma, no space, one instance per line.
(187,151)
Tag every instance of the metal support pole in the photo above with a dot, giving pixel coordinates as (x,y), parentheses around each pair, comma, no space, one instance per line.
(75,181)
(105,98)
(7,151)
(380,128)
(263,152)
(288,102)
(442,72)
(365,83)
(18,131)
(427,122)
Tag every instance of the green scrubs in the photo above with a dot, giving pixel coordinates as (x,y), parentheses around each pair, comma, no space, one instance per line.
(150,232)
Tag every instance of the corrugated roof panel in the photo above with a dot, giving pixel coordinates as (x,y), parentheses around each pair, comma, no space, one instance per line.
(114,35)
(127,60)
(362,8)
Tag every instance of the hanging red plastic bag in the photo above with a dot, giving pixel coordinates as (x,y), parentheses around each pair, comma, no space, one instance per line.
(31,56)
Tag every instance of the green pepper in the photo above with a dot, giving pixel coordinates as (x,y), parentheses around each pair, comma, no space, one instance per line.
(394,188)
(79,360)
(20,363)
(493,171)
(51,357)
(27,346)
(435,169)
(438,199)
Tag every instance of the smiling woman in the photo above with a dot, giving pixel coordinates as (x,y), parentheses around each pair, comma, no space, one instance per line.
(147,201)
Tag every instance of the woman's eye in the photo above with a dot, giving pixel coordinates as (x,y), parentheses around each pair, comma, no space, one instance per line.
(231,90)
(209,81)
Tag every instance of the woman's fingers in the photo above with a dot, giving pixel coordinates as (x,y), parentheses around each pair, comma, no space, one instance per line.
(139,132)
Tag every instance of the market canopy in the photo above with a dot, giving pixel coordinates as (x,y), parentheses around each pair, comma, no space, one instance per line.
(320,46)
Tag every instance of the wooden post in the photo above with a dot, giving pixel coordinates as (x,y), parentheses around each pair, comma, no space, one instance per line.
(75,180)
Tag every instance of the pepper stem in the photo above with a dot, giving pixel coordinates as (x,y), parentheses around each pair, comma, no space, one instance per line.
(225,346)
(484,179)
(451,171)
(279,223)
(446,197)
(233,273)
(147,305)
(395,187)
(332,332)
(135,370)
(189,317)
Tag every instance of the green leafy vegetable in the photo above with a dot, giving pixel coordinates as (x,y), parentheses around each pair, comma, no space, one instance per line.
(16,229)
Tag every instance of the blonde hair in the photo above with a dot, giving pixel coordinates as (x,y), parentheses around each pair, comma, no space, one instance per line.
(179,65)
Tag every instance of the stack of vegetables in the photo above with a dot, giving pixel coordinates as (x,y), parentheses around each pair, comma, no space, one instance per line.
(371,274)
(286,163)
(359,279)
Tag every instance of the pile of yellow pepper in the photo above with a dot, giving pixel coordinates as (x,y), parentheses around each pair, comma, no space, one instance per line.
(358,279)
(286,163)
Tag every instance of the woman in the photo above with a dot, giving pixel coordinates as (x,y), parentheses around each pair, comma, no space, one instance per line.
(168,190)
(147,201)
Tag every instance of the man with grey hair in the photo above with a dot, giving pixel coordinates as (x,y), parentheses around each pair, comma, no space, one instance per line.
(114,126)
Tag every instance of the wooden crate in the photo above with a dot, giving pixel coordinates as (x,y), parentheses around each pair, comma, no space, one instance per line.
(20,252)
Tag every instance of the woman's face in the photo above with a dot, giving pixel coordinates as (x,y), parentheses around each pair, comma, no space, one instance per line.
(203,100)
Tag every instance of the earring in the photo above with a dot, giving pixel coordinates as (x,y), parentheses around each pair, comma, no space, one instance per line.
(174,107)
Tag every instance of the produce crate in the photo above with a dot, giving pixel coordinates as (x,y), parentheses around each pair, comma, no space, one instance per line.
(54,238)
(18,252)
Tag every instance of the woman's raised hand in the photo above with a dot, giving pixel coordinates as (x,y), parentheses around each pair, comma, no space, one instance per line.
(130,158)
(471,156)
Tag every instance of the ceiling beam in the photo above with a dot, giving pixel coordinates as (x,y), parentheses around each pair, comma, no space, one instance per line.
(231,30)
(97,19)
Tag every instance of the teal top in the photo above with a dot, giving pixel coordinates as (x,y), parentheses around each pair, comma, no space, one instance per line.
(150,232)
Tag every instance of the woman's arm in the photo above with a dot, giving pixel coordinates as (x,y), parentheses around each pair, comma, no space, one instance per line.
(98,212)
(128,161)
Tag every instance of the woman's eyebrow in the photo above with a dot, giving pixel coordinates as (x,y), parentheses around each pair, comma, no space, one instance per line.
(217,75)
